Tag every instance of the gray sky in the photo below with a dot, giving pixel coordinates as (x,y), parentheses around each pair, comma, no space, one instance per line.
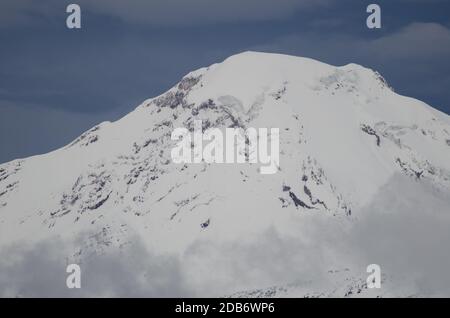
(56,83)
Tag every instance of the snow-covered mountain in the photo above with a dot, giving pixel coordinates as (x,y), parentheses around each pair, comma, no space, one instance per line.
(355,157)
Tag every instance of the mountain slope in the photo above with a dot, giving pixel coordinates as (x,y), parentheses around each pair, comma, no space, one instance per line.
(344,136)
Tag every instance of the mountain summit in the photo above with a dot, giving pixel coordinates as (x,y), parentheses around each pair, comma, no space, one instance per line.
(354,157)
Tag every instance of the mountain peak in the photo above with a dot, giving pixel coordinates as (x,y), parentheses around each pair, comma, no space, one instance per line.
(249,74)
(344,135)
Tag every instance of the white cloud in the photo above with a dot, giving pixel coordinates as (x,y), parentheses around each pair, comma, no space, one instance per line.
(404,230)
(415,41)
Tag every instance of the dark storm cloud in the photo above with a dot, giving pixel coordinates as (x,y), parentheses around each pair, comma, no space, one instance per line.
(197,12)
(163,12)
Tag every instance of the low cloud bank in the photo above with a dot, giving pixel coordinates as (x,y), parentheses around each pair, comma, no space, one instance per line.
(405,230)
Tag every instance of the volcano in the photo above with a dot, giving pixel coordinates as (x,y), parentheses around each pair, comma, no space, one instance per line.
(363,177)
